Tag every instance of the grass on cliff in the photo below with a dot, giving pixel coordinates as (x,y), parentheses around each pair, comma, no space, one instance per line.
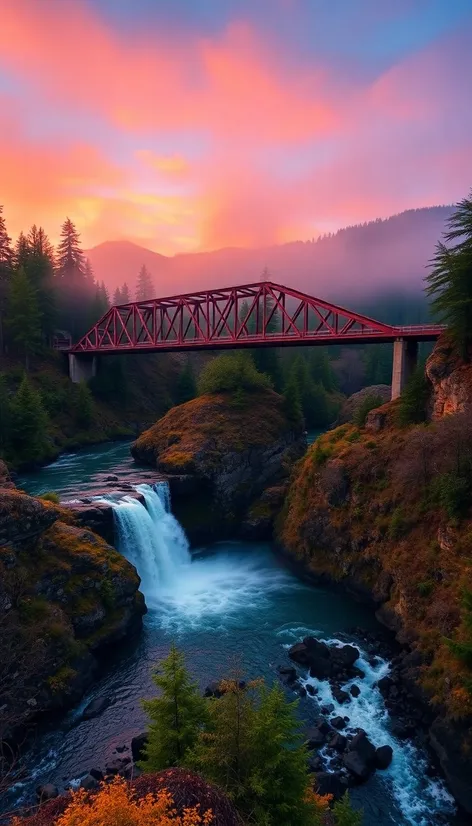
(392,510)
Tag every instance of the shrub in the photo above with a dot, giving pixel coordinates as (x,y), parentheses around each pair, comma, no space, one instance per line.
(398,524)
(425,589)
(453,492)
(344,814)
(176,716)
(116,803)
(414,399)
(50,496)
(232,372)
(369,403)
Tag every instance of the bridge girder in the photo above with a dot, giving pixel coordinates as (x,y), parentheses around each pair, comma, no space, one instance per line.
(264,314)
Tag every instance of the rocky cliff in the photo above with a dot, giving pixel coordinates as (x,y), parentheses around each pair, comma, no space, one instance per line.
(385,513)
(65,595)
(231,461)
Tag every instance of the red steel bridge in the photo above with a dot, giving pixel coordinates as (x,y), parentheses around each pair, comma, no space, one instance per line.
(255,315)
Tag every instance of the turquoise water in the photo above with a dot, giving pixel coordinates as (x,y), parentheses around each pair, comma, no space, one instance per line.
(234,605)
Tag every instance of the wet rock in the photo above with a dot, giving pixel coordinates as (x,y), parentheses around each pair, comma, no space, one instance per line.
(360,757)
(315,764)
(327,709)
(354,690)
(315,738)
(47,792)
(138,745)
(287,674)
(346,655)
(311,689)
(341,696)
(323,725)
(213,689)
(95,707)
(383,757)
(302,691)
(384,685)
(338,722)
(89,783)
(338,742)
(329,783)
(97,774)
(118,766)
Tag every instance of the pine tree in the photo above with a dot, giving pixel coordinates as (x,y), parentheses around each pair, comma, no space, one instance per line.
(24,317)
(74,281)
(84,407)
(176,716)
(186,388)
(450,281)
(344,814)
(21,252)
(5,415)
(70,258)
(223,751)
(117,300)
(39,268)
(252,748)
(279,784)
(292,404)
(6,258)
(28,423)
(6,255)
(145,286)
(125,294)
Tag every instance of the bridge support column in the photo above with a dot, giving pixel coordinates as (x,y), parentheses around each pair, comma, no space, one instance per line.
(405,357)
(82,368)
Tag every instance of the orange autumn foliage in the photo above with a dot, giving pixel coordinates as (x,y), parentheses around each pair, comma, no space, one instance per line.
(117,805)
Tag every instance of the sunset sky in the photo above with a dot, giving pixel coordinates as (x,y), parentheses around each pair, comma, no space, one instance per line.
(190,125)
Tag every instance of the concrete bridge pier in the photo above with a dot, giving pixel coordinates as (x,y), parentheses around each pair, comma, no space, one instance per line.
(405,358)
(82,368)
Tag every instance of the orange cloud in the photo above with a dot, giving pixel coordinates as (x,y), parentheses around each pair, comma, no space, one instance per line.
(231,84)
(173,165)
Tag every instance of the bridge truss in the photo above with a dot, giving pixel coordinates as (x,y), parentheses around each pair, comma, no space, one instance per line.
(255,315)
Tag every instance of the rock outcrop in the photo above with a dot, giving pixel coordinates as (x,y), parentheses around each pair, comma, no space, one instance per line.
(351,405)
(233,459)
(451,380)
(65,595)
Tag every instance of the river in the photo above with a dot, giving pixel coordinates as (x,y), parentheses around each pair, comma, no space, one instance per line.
(231,605)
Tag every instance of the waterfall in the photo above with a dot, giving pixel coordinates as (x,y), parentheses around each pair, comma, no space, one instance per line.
(151,538)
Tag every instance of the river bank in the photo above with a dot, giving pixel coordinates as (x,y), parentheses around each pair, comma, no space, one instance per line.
(253,622)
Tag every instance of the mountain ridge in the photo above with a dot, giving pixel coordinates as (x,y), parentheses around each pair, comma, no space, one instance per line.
(383,255)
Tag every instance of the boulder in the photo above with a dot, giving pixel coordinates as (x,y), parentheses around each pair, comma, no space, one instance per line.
(287,674)
(327,709)
(360,757)
(213,689)
(95,707)
(338,742)
(323,725)
(315,738)
(47,792)
(384,685)
(118,766)
(315,763)
(89,783)
(341,696)
(299,654)
(346,655)
(354,690)
(97,774)
(329,783)
(383,757)
(138,745)
(311,689)
(338,722)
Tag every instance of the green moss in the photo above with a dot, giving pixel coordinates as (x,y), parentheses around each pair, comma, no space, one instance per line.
(61,680)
